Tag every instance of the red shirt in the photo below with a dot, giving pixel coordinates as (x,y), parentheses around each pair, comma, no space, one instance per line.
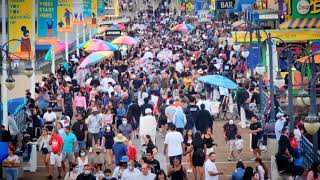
(56,142)
(132,152)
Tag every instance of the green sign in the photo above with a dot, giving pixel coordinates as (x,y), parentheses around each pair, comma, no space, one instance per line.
(305,8)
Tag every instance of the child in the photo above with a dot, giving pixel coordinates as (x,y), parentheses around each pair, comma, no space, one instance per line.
(239,145)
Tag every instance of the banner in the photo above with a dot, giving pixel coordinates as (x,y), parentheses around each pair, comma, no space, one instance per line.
(286,35)
(20,27)
(100,9)
(64,15)
(94,9)
(77,7)
(305,9)
(87,9)
(47,18)
(201,5)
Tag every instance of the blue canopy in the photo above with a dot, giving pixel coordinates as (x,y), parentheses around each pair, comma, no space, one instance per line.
(218,80)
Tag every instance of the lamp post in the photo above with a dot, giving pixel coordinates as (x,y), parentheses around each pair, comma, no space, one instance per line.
(7,58)
(291,59)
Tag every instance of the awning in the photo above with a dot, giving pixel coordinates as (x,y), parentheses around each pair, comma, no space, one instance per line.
(301,23)
(238,23)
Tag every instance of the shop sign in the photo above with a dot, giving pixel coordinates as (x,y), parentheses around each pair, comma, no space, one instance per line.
(225,4)
(113,33)
(268,16)
(203,15)
(306,9)
(286,35)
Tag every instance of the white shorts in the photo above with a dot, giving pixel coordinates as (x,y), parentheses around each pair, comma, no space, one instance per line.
(55,159)
(209,150)
(232,145)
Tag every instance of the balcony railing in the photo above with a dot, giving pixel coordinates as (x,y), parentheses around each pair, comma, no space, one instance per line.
(308,157)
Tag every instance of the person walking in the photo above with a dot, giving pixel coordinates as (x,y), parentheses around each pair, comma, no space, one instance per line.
(56,143)
(230,131)
(173,144)
(94,122)
(203,119)
(255,130)
(179,119)
(148,126)
(45,149)
(210,168)
(198,149)
(80,129)
(69,145)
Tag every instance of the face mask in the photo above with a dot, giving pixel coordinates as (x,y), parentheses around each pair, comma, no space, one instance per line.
(82,154)
(124,122)
(130,168)
(87,172)
(108,128)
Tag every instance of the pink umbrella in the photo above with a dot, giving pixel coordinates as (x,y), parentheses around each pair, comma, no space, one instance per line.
(101,46)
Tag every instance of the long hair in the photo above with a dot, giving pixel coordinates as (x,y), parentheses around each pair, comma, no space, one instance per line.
(259,160)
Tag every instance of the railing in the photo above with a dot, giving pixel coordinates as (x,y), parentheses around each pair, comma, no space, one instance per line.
(307,148)
(17,109)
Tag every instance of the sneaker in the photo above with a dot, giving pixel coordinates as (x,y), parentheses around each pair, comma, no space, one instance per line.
(49,177)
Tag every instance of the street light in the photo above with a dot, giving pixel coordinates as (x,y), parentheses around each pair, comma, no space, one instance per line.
(28,71)
(279,81)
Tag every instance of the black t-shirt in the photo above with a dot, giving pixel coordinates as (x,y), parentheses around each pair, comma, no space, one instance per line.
(154,165)
(79,129)
(284,144)
(82,176)
(67,99)
(147,148)
(192,111)
(137,83)
(255,126)
(230,130)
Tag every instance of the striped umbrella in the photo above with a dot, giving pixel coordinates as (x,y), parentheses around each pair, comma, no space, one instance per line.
(59,47)
(95,57)
(125,40)
(183,27)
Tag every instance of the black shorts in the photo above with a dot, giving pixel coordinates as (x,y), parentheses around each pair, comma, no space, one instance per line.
(254,142)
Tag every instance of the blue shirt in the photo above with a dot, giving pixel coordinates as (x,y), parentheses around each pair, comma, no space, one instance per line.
(238,174)
(179,119)
(68,142)
(119,150)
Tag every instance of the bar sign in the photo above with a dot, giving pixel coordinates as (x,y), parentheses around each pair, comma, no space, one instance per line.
(225,4)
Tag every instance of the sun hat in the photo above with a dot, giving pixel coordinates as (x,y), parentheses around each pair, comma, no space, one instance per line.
(120,138)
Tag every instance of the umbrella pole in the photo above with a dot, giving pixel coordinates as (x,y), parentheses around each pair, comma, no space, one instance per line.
(66,44)
(53,63)
(84,33)
(77,40)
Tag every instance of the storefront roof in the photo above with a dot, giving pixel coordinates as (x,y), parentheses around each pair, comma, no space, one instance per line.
(301,23)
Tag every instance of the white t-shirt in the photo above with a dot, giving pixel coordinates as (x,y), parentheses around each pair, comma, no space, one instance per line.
(210,166)
(150,176)
(239,144)
(174,140)
(49,117)
(13,158)
(127,175)
(105,81)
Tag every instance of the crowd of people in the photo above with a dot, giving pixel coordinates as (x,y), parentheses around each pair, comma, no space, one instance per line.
(146,92)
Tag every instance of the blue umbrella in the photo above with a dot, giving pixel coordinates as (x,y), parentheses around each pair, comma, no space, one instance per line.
(218,80)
